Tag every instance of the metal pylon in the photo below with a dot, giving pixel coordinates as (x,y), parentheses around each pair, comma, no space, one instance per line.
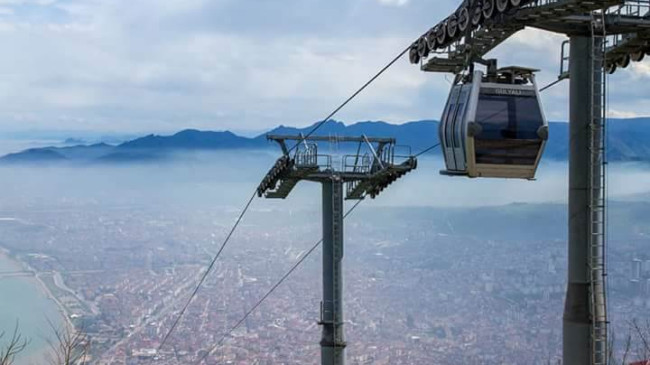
(332,341)
(597,186)
(365,174)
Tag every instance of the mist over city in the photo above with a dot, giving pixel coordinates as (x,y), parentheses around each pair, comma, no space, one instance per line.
(359,182)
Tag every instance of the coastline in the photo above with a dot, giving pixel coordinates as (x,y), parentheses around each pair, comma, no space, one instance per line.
(45,290)
(48,293)
(37,355)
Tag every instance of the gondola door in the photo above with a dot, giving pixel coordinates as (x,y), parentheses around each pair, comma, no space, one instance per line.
(470,119)
(447,130)
(459,127)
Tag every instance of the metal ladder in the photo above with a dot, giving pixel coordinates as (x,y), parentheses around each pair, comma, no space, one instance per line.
(337,222)
(597,190)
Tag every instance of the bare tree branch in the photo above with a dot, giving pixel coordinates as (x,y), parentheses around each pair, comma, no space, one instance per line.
(70,347)
(628,348)
(642,337)
(17,343)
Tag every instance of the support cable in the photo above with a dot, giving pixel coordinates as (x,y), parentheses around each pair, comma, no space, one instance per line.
(551,85)
(316,127)
(273,288)
(427,150)
(286,276)
(311,132)
(207,271)
(346,102)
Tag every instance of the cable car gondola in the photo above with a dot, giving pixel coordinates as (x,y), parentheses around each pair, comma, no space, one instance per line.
(493,125)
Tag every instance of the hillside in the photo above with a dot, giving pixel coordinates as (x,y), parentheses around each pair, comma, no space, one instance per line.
(627,141)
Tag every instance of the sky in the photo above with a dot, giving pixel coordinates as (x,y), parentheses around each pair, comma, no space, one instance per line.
(118,66)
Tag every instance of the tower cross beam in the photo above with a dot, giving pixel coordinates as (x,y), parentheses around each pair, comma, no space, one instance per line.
(440,52)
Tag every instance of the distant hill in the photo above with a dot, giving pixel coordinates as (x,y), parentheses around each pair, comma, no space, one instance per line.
(628,141)
(418,135)
(191,139)
(80,153)
(40,155)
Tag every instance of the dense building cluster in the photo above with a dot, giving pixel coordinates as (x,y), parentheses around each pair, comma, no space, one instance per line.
(420,285)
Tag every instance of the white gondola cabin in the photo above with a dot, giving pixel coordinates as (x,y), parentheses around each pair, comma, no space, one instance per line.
(493,125)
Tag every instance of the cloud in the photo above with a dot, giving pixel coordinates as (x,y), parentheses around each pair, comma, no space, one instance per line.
(394,2)
(161,66)
(613,113)
(641,69)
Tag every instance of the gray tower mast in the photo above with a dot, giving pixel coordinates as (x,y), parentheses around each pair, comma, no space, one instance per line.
(604,35)
(366,173)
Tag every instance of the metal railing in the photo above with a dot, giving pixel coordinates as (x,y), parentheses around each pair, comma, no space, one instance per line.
(361,163)
(402,153)
(307,155)
(631,8)
(324,162)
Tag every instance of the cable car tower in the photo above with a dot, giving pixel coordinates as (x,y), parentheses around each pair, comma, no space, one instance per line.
(366,173)
(604,35)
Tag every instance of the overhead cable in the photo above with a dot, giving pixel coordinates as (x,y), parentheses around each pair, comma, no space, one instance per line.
(285,277)
(356,93)
(273,288)
(208,270)
(427,150)
(243,212)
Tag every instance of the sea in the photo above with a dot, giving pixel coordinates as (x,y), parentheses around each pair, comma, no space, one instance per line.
(24,303)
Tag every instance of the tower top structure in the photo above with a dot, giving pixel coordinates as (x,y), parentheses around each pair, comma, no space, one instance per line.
(479,26)
(369,170)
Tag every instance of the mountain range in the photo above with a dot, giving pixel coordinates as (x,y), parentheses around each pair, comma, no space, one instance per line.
(628,140)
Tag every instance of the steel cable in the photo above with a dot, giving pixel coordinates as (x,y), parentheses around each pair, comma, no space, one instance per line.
(207,271)
(356,93)
(427,150)
(311,132)
(286,276)
(273,288)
